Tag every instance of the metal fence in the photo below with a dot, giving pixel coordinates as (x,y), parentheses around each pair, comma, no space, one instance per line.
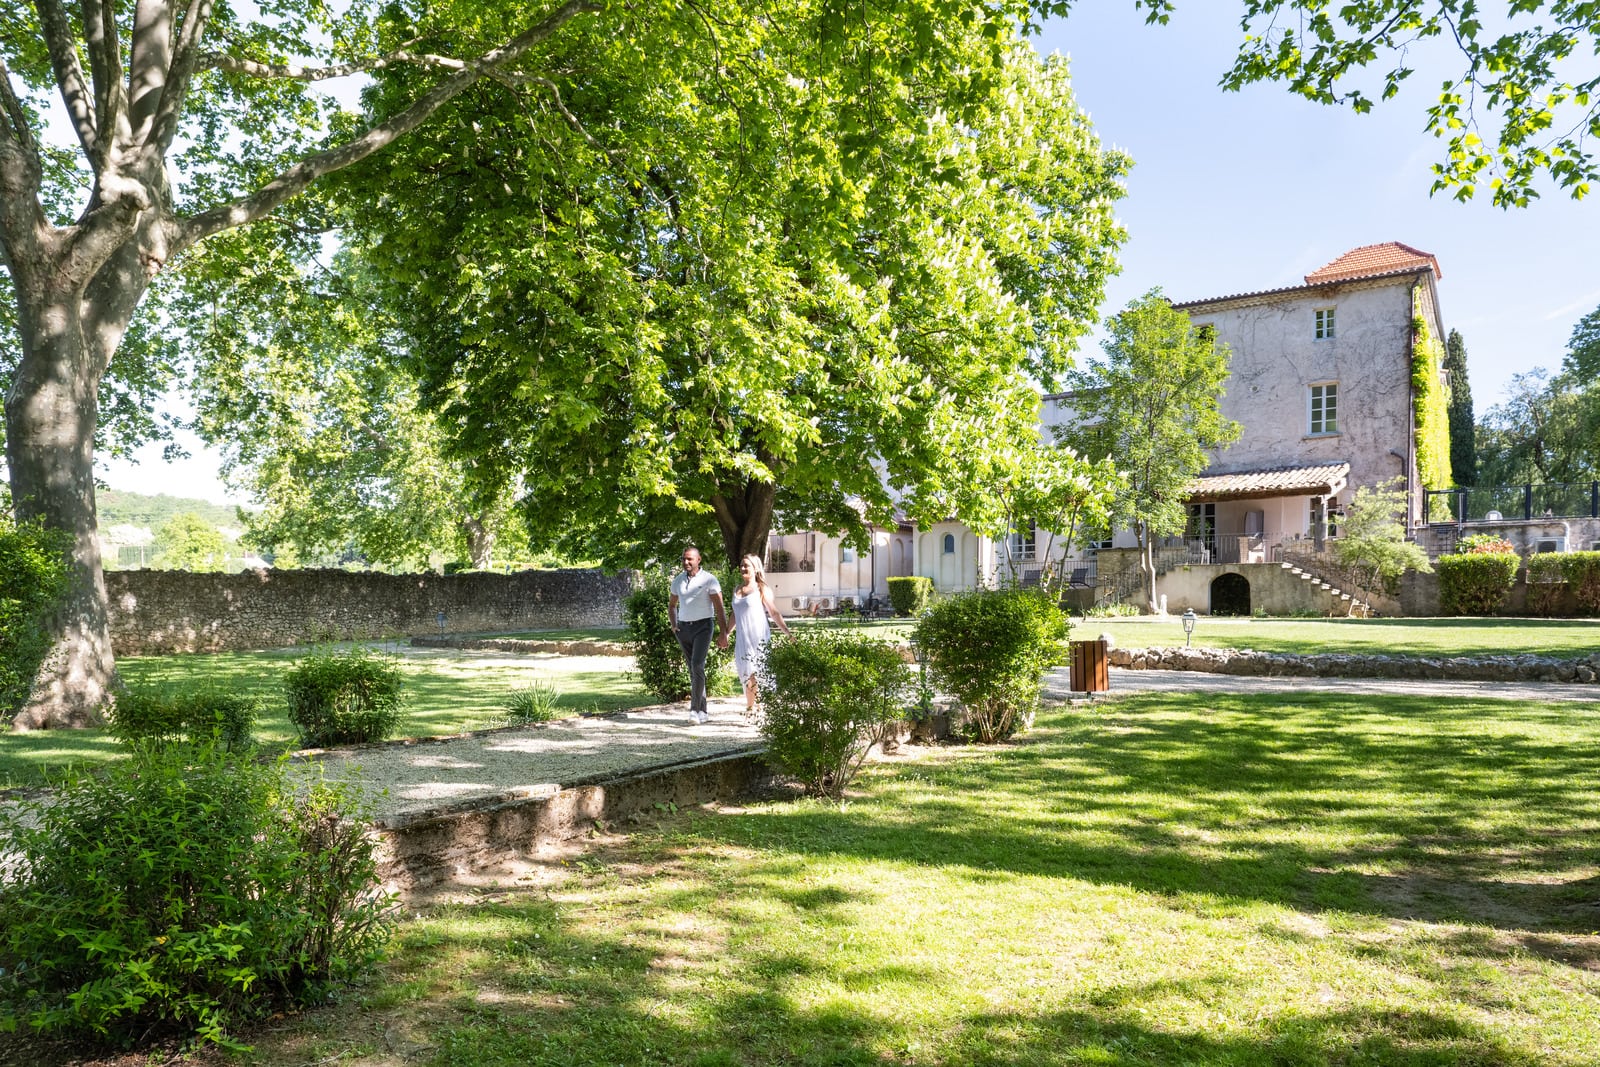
(1491,503)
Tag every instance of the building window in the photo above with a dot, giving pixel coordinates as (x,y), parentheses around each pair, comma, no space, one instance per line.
(1024,541)
(1202,526)
(847,555)
(1324,401)
(949,544)
(1324,324)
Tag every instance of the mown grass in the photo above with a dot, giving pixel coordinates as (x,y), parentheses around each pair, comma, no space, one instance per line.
(446,692)
(1568,638)
(1228,880)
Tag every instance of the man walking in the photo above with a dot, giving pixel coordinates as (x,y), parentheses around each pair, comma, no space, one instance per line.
(695,601)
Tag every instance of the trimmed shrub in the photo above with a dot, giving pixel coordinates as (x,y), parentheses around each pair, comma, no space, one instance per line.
(535,702)
(829,692)
(342,698)
(910,596)
(179,893)
(990,649)
(1581,570)
(34,570)
(656,652)
(164,716)
(1475,583)
(1546,583)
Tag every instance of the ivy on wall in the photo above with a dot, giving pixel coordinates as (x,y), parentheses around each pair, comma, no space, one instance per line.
(1432,398)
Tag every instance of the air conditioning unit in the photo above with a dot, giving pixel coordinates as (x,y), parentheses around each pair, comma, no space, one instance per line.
(1550,544)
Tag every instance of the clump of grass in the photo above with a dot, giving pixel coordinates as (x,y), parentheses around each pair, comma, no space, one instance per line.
(532,703)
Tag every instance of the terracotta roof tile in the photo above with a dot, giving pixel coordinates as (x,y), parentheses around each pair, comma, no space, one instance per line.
(1319,479)
(1368,260)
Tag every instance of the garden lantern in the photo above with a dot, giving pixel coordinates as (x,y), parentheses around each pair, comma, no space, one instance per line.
(1189,618)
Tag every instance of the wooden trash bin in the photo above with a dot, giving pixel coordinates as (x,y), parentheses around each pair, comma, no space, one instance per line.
(1089,672)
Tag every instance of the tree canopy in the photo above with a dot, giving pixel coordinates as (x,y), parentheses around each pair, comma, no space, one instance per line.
(1521,107)
(810,292)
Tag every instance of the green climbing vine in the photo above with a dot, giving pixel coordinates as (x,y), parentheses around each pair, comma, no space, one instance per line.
(1432,404)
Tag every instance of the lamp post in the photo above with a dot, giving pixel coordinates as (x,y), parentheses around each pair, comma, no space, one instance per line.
(1189,618)
(439,619)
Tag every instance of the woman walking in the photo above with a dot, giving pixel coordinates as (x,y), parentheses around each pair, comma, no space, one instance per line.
(753,606)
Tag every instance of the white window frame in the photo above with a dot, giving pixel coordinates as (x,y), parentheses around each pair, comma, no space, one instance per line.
(1023,542)
(1318,424)
(1324,324)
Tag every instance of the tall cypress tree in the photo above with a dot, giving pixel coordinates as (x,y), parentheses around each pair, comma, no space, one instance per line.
(1463,437)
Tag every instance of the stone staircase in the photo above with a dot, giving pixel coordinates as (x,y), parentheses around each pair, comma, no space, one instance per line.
(1339,600)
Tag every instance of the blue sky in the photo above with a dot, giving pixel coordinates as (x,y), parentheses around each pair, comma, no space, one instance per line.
(1234,192)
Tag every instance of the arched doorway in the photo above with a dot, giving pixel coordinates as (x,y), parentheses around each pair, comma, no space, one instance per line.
(1230,595)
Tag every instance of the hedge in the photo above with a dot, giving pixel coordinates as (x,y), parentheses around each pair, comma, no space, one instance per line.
(1475,583)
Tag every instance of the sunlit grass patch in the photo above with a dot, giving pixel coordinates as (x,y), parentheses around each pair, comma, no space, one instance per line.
(1154,880)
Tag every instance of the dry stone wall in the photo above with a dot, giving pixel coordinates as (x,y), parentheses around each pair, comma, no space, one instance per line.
(155,612)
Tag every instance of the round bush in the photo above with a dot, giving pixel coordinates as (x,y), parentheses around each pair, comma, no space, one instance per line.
(178,893)
(828,691)
(990,649)
(342,698)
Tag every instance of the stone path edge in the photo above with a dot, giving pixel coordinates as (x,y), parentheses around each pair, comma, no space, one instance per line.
(434,849)
(1248,662)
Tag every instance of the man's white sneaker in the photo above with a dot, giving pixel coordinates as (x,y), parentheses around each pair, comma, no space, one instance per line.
(704,716)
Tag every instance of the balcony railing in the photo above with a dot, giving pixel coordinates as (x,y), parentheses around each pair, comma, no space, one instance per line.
(1495,503)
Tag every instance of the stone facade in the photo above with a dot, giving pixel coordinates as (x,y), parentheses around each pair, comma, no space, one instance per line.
(154,612)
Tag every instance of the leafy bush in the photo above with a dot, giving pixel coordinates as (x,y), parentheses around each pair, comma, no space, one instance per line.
(339,698)
(1581,570)
(535,702)
(165,716)
(1475,583)
(180,892)
(1115,609)
(657,654)
(829,691)
(910,596)
(33,580)
(1480,544)
(990,649)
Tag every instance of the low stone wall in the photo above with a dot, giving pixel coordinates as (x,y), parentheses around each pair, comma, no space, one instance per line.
(1526,668)
(155,612)
(478,840)
(526,648)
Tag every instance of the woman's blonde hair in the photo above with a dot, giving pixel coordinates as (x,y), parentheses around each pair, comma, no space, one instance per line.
(757,571)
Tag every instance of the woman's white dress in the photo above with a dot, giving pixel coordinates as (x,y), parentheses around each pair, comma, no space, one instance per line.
(751,631)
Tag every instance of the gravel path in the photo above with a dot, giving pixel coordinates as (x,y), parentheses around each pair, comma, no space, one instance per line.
(1129,681)
(451,772)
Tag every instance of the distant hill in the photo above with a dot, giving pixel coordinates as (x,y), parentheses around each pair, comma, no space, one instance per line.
(138,509)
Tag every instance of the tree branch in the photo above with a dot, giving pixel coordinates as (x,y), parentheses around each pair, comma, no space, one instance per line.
(295,180)
(149,63)
(105,62)
(75,92)
(195,20)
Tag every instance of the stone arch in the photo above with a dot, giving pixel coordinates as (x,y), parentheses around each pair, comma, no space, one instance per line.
(1230,594)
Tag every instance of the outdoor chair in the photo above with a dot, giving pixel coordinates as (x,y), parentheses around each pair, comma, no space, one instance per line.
(1079,579)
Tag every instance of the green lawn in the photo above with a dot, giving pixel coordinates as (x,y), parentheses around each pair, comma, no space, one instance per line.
(1415,637)
(447,692)
(1152,881)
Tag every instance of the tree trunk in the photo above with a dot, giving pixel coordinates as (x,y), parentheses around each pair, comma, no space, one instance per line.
(50,423)
(745,519)
(480,543)
(1147,566)
(52,412)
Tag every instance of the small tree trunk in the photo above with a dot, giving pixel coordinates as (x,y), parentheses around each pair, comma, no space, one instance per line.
(1147,565)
